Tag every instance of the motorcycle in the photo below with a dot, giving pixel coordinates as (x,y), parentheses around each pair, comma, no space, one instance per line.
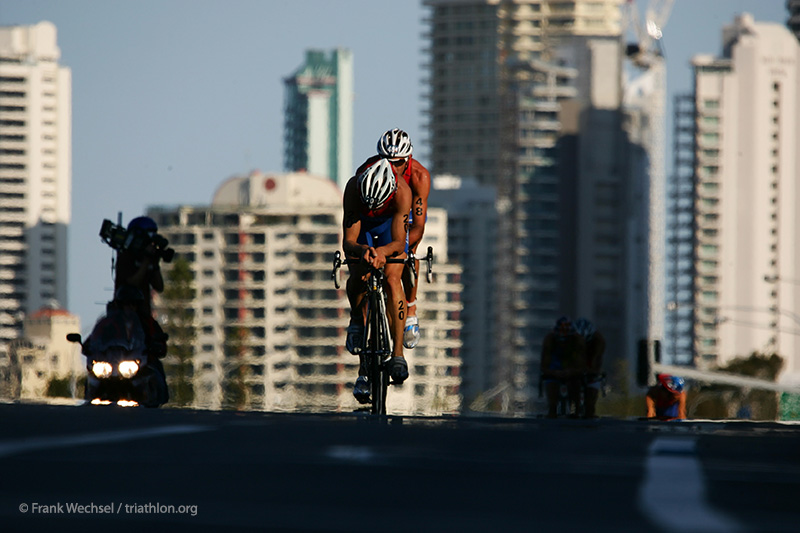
(121,368)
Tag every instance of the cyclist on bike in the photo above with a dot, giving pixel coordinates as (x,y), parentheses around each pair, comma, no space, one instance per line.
(666,400)
(395,145)
(563,353)
(376,208)
(595,348)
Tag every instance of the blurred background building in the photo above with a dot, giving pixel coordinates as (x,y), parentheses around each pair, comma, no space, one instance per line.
(267,316)
(318,116)
(44,362)
(471,238)
(746,284)
(35,174)
(527,97)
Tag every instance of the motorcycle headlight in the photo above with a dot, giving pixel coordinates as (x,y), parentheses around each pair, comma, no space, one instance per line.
(101,369)
(128,369)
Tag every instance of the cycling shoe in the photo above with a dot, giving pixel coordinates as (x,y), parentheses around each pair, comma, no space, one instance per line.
(355,338)
(398,369)
(362,390)
(411,333)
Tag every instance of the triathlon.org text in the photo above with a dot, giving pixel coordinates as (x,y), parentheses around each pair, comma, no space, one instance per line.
(108,508)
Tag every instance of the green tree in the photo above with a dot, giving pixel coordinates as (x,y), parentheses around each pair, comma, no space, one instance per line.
(177,312)
(234,387)
(59,388)
(728,401)
(620,401)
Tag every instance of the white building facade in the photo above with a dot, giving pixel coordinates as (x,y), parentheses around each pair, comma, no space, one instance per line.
(471,240)
(35,174)
(43,356)
(268,316)
(747,172)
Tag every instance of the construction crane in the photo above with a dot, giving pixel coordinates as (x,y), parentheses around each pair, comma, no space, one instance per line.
(648,35)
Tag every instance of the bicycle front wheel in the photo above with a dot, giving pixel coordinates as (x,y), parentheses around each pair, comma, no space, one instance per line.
(377,349)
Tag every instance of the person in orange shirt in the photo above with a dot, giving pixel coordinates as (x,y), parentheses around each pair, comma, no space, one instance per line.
(666,400)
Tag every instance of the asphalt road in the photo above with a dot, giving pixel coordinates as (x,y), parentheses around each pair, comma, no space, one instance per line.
(67,468)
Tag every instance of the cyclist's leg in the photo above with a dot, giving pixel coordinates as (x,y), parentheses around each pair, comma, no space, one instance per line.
(591,393)
(574,384)
(396,309)
(356,290)
(551,389)
(411,329)
(355,295)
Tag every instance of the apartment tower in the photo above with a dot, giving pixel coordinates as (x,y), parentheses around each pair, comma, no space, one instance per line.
(747,172)
(318,116)
(35,174)
(269,320)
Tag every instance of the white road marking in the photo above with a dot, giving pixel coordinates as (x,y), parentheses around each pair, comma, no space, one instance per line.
(13,447)
(673,494)
(354,454)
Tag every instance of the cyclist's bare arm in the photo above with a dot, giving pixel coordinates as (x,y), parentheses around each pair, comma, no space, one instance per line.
(351,222)
(421,188)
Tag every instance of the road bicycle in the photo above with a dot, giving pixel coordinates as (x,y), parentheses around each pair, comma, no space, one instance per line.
(582,381)
(377,340)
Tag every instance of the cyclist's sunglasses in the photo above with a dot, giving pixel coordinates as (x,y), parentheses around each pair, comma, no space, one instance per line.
(398,162)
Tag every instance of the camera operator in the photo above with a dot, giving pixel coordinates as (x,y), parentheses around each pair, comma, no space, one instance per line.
(140,269)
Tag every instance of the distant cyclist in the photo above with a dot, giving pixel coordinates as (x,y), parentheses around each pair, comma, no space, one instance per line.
(376,207)
(563,352)
(595,348)
(395,145)
(666,400)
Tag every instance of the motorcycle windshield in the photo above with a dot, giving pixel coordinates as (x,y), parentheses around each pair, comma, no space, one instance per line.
(121,329)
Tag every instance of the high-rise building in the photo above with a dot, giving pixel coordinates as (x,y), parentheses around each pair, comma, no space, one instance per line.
(679,265)
(471,236)
(747,175)
(35,174)
(473,46)
(318,116)
(268,318)
(527,96)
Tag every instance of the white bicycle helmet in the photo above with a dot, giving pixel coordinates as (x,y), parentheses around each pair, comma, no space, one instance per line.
(377,184)
(585,328)
(395,143)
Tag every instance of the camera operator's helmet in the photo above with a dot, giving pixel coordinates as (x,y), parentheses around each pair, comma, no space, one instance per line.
(671,383)
(128,294)
(585,328)
(377,184)
(146,224)
(395,143)
(564,327)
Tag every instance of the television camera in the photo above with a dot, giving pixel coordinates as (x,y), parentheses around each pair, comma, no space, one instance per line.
(135,240)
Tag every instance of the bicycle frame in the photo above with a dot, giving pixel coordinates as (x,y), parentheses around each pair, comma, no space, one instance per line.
(581,382)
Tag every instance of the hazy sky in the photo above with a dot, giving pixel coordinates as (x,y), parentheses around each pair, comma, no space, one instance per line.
(172,97)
